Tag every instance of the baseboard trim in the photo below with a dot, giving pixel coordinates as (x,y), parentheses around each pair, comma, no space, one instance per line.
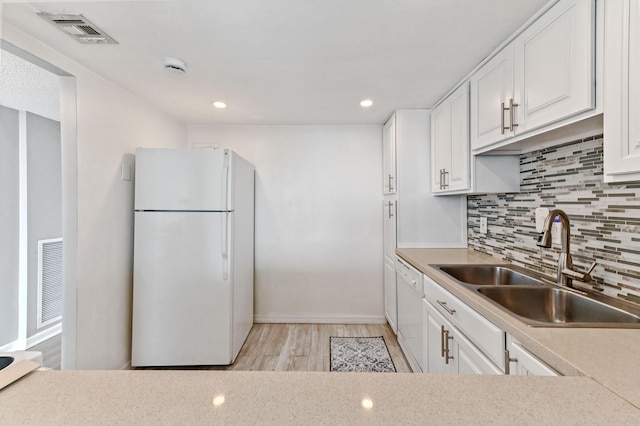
(300,319)
(44,335)
(12,346)
(21,345)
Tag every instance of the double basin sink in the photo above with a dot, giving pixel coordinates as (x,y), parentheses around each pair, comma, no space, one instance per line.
(540,303)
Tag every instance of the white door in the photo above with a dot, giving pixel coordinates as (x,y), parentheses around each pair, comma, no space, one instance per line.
(555,65)
(524,363)
(390,296)
(435,341)
(440,145)
(459,175)
(491,86)
(182,179)
(622,91)
(389,156)
(468,358)
(182,291)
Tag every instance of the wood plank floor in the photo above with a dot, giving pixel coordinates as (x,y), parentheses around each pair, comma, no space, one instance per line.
(305,347)
(280,347)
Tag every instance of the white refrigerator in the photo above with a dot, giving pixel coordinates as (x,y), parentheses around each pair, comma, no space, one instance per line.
(193,257)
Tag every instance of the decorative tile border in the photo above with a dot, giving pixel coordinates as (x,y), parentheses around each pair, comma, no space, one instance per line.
(605,218)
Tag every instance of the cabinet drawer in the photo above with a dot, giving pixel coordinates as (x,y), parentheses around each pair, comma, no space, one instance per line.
(483,333)
(412,276)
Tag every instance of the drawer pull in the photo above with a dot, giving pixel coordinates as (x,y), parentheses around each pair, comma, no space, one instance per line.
(444,306)
(507,362)
(447,357)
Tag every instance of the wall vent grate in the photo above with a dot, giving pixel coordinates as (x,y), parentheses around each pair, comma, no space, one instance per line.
(78,27)
(49,281)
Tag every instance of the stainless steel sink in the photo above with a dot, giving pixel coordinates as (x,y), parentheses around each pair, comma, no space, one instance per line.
(539,302)
(491,274)
(552,307)
(5,361)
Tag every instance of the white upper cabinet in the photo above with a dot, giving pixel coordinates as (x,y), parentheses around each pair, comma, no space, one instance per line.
(453,169)
(491,93)
(450,143)
(389,156)
(555,66)
(546,74)
(622,91)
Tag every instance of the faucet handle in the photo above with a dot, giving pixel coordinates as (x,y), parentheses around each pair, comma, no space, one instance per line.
(579,276)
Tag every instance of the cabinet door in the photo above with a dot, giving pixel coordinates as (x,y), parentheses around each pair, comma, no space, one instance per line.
(459,173)
(389,239)
(622,91)
(434,342)
(555,65)
(450,143)
(390,297)
(440,144)
(389,230)
(389,156)
(468,358)
(524,363)
(491,86)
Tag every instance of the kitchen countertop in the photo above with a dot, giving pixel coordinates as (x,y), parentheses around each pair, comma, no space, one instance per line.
(602,385)
(608,356)
(246,397)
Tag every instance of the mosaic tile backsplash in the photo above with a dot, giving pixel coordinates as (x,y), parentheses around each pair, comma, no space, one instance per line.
(605,218)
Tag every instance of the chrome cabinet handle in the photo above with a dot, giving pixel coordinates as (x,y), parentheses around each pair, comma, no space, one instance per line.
(390,204)
(390,185)
(447,357)
(444,306)
(511,109)
(444,180)
(512,106)
(507,361)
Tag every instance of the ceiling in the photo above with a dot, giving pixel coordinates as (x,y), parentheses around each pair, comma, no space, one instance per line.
(284,61)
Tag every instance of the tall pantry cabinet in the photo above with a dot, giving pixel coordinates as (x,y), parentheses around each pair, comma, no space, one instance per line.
(413,216)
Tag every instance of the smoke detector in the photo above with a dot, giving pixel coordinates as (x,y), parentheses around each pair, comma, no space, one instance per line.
(78,27)
(175,65)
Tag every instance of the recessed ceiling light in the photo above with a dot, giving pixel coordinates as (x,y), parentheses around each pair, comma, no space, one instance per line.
(366,103)
(219,104)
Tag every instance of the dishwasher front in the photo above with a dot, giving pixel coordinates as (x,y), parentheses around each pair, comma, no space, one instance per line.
(410,294)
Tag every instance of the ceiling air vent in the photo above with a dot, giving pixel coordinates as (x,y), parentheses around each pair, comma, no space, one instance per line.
(79,27)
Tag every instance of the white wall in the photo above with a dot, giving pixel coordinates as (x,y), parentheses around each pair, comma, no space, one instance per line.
(111,123)
(318,219)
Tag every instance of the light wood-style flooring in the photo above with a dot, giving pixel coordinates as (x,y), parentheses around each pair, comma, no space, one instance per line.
(279,347)
(305,347)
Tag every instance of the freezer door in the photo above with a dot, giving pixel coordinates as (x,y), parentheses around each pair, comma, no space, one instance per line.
(182,179)
(182,291)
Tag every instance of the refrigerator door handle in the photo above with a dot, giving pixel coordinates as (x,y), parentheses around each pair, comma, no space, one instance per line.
(225,246)
(225,183)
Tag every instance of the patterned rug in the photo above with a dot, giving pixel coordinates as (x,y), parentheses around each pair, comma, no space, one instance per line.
(362,354)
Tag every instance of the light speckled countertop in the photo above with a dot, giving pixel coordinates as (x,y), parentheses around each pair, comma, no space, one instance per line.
(610,356)
(603,390)
(304,398)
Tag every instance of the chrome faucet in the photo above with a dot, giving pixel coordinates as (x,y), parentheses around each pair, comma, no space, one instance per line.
(566,273)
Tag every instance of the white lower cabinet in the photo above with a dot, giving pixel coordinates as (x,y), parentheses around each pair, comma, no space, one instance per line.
(521,362)
(447,350)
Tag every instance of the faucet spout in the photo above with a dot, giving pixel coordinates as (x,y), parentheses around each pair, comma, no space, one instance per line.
(564,261)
